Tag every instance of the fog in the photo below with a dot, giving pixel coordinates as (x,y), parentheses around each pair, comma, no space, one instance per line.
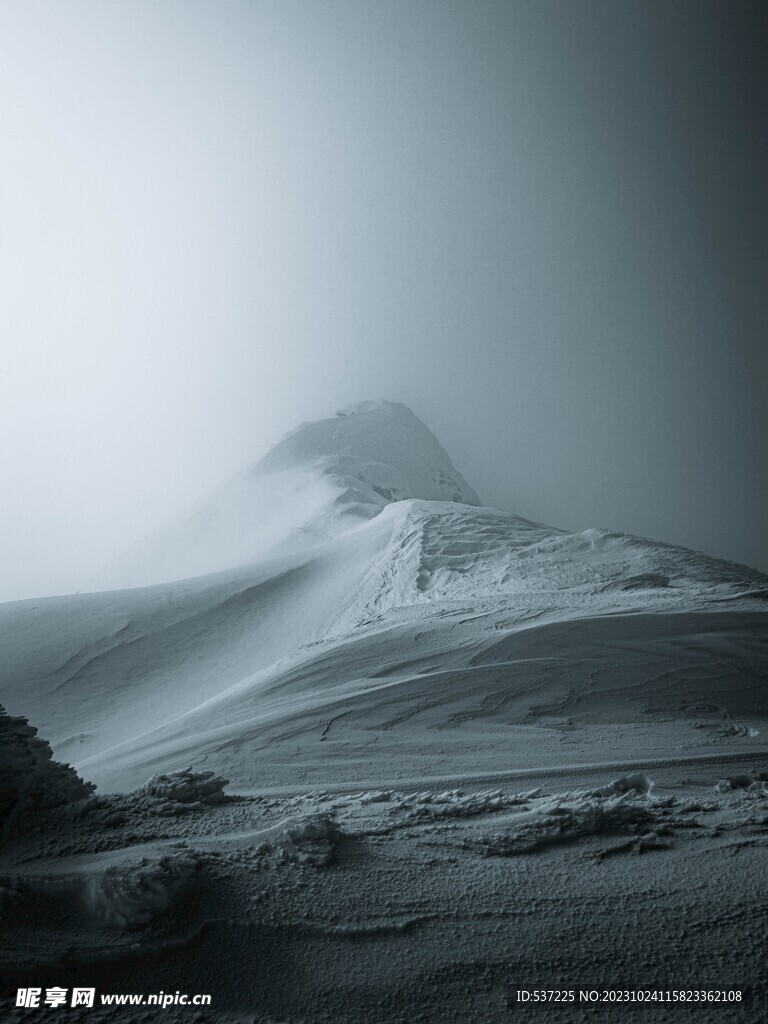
(541,225)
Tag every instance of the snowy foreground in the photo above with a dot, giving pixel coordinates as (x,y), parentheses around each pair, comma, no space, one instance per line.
(465,754)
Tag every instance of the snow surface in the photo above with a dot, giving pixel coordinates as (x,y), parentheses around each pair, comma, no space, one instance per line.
(468,753)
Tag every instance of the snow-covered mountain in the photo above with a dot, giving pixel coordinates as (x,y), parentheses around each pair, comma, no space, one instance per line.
(389,612)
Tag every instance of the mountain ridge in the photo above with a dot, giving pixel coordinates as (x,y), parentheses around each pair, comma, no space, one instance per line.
(322,478)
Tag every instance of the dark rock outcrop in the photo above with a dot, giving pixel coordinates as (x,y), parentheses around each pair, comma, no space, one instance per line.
(30,780)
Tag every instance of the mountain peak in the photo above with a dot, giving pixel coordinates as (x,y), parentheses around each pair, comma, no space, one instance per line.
(322,478)
(380,449)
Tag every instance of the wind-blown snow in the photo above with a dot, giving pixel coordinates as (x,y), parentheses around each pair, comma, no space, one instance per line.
(317,481)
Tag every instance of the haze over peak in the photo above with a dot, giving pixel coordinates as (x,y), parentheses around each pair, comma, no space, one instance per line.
(379,444)
(323,477)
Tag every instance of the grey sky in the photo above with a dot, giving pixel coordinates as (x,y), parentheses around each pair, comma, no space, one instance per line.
(542,225)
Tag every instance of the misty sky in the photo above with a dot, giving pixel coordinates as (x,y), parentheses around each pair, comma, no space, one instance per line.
(540,224)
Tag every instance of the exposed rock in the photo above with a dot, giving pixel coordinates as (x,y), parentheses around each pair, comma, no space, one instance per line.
(30,780)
